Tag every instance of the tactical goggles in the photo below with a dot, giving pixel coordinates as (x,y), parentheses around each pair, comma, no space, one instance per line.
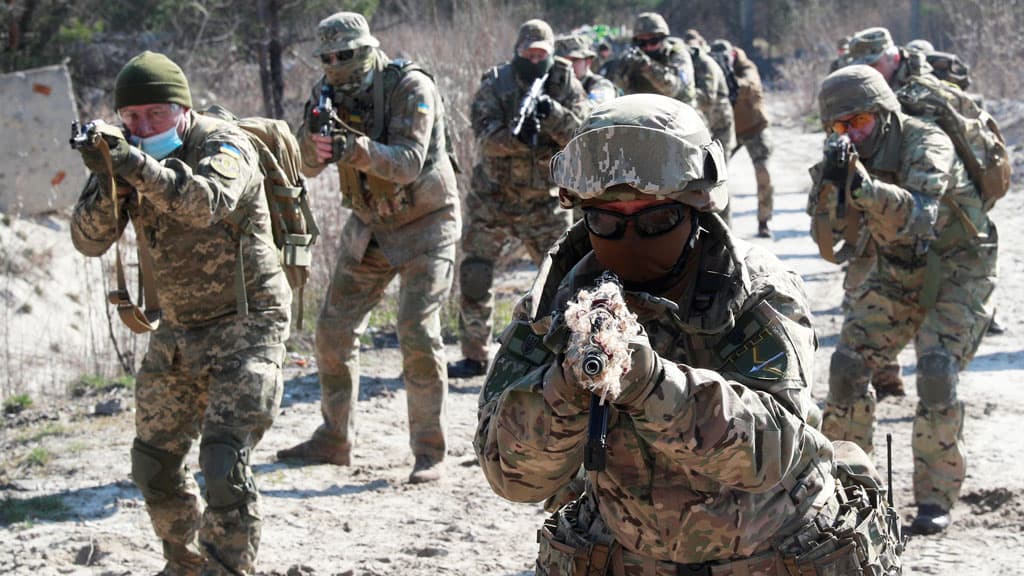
(856,122)
(648,222)
(339,56)
(647,42)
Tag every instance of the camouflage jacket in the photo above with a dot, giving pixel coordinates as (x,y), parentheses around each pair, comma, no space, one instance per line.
(713,97)
(749,108)
(671,74)
(516,169)
(397,176)
(903,212)
(179,207)
(598,88)
(722,455)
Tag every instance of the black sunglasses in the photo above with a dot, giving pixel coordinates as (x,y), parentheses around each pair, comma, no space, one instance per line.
(339,56)
(648,42)
(651,221)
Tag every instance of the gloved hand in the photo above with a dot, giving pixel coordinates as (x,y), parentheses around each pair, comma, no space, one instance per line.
(330,149)
(120,149)
(545,105)
(636,59)
(528,133)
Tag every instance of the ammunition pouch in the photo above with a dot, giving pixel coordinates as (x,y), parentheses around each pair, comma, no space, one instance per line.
(565,550)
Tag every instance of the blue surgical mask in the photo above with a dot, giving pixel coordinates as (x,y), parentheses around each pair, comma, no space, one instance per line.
(161,145)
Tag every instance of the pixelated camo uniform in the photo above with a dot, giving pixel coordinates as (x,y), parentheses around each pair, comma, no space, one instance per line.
(208,370)
(931,283)
(400,185)
(718,457)
(512,195)
(671,73)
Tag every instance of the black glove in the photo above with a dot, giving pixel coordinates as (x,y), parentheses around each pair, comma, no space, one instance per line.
(544,106)
(528,133)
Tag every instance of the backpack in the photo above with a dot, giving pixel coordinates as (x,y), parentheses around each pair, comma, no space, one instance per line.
(975,134)
(293,227)
(949,67)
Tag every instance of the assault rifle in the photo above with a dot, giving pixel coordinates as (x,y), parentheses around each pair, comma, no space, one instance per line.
(83,135)
(322,117)
(839,153)
(528,108)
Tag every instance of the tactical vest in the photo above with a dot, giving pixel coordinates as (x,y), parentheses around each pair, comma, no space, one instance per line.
(530,170)
(377,201)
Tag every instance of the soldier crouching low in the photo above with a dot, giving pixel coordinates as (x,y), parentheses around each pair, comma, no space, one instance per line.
(209,370)
(714,463)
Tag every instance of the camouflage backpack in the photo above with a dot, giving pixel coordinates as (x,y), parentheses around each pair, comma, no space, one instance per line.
(293,227)
(975,134)
(722,59)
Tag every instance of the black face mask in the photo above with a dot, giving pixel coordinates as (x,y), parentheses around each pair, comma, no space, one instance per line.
(870,146)
(528,71)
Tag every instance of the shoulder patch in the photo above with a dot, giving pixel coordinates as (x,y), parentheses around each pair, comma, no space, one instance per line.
(225,164)
(230,150)
(757,347)
(423,108)
(522,351)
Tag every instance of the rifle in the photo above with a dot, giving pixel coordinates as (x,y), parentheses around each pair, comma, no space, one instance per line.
(528,107)
(839,154)
(600,326)
(322,117)
(83,135)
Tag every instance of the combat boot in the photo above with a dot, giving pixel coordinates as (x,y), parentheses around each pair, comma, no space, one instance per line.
(467,368)
(180,569)
(931,519)
(426,469)
(317,450)
(762,229)
(888,382)
(995,328)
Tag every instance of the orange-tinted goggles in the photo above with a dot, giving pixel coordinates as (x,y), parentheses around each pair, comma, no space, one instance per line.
(857,122)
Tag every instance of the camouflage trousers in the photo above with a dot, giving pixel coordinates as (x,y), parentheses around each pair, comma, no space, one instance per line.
(856,272)
(489,226)
(189,387)
(883,317)
(759,147)
(355,289)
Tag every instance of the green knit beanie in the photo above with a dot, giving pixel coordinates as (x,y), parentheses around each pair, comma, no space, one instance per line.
(151,78)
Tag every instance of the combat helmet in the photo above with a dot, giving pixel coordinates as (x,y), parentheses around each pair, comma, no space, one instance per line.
(852,90)
(655,144)
(920,45)
(574,46)
(721,45)
(343,31)
(650,23)
(868,45)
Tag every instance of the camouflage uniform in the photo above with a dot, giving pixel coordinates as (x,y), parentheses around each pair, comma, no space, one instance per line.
(713,97)
(668,72)
(398,180)
(208,371)
(512,194)
(931,282)
(598,88)
(713,459)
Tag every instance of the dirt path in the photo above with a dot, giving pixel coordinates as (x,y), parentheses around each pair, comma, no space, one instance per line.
(365,520)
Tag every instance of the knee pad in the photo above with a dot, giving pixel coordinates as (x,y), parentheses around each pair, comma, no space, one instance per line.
(225,465)
(475,278)
(937,377)
(848,377)
(158,473)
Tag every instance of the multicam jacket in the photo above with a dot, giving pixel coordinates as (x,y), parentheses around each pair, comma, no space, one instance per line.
(512,166)
(397,178)
(724,453)
(180,209)
(671,74)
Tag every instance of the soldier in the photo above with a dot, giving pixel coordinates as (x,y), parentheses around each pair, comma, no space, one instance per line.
(713,463)
(656,64)
(210,370)
(920,45)
(512,194)
(842,52)
(396,176)
(751,126)
(575,49)
(936,256)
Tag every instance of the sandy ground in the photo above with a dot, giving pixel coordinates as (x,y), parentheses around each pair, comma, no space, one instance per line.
(366,520)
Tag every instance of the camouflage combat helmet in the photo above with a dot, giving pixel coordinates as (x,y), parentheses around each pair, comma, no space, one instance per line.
(920,45)
(650,23)
(694,38)
(536,33)
(853,90)
(343,31)
(655,144)
(868,45)
(574,46)
(721,45)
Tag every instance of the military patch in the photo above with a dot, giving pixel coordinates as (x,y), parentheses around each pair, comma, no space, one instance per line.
(230,150)
(756,347)
(521,353)
(423,108)
(225,164)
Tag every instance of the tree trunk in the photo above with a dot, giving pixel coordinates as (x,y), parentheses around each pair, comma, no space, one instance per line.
(274,52)
(263,56)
